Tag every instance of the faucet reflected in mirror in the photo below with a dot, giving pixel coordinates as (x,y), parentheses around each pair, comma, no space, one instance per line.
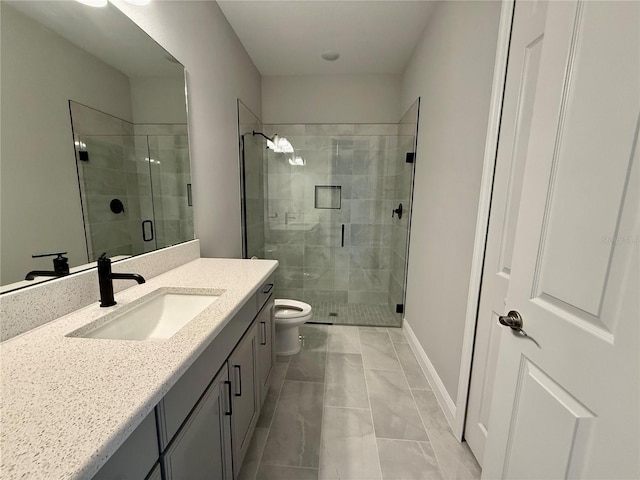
(106,278)
(288,216)
(60,266)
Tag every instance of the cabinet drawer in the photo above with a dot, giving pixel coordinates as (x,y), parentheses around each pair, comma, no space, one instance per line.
(264,292)
(174,408)
(136,456)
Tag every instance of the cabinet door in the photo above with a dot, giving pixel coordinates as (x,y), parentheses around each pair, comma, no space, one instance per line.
(155,474)
(266,349)
(245,394)
(202,448)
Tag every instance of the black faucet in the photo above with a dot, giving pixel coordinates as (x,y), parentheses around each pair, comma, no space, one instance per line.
(106,277)
(60,266)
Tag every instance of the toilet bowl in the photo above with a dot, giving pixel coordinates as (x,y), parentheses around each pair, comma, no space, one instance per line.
(289,315)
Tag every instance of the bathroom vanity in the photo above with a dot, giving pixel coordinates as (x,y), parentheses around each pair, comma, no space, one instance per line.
(175,408)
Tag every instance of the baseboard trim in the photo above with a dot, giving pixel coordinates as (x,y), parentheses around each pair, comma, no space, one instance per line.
(445,401)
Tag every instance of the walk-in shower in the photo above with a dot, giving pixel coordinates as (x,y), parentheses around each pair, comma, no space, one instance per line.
(335,213)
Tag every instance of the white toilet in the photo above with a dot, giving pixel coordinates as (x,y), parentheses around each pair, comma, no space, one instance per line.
(289,315)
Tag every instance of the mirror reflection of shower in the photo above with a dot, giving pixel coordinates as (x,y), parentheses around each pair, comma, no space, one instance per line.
(324,208)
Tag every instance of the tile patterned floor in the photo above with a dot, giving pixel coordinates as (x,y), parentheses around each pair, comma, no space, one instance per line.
(355,314)
(353,404)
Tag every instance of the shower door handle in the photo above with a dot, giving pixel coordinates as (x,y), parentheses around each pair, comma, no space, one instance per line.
(144,230)
(342,241)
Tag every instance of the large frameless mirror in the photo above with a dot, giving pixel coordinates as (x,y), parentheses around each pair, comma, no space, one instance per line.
(94,143)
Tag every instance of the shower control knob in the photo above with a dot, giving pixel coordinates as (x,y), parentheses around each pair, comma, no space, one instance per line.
(398,211)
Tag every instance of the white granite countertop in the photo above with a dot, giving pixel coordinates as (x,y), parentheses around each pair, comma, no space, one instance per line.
(67,404)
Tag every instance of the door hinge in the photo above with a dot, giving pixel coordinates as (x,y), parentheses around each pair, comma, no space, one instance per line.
(411,157)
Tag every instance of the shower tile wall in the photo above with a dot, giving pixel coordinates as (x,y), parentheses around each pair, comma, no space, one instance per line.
(314,266)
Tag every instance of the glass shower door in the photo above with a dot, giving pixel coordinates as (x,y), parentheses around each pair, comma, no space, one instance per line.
(400,195)
(115,189)
(329,213)
(252,172)
(170,175)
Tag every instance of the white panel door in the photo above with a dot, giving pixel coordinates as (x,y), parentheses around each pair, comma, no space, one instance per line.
(566,398)
(522,74)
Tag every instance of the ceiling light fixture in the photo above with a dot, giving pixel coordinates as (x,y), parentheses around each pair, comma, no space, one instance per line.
(330,56)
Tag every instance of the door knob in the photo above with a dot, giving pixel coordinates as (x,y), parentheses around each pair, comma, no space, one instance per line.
(513,320)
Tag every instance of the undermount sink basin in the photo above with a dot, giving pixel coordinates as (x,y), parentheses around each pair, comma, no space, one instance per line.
(158,317)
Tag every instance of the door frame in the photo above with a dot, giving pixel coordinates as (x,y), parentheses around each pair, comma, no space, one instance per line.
(458,416)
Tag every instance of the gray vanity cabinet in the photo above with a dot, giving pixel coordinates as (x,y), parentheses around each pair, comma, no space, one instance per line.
(245,395)
(137,455)
(202,448)
(266,347)
(202,427)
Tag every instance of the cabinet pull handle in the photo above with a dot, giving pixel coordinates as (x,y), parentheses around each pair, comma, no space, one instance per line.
(228,384)
(267,288)
(239,377)
(263,333)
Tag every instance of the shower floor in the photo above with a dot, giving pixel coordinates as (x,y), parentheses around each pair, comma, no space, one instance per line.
(355,314)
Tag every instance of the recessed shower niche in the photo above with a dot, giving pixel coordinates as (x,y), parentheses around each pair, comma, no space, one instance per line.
(326,213)
(328,196)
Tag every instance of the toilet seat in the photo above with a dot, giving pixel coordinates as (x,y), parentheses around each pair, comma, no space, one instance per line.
(291,311)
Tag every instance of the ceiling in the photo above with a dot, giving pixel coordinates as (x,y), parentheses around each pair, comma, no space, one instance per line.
(288,37)
(105,33)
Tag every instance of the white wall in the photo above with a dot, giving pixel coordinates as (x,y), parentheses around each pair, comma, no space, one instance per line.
(158,100)
(40,207)
(331,99)
(219,71)
(452,70)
